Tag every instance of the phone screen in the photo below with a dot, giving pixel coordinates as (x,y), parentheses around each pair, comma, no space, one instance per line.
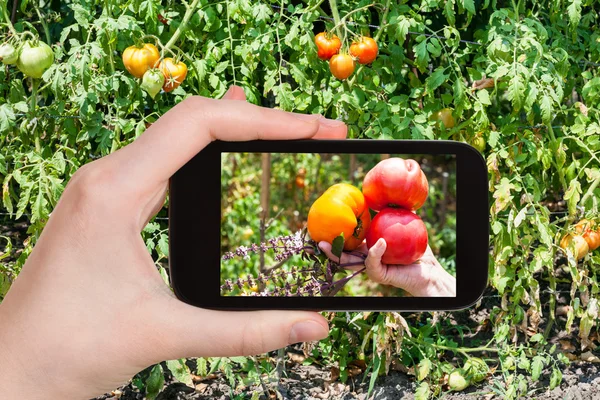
(302,224)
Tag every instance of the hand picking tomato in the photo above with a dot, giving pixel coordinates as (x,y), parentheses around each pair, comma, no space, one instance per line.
(445,117)
(174,72)
(138,60)
(576,243)
(586,229)
(395,182)
(327,45)
(365,50)
(404,232)
(341,66)
(35,57)
(341,209)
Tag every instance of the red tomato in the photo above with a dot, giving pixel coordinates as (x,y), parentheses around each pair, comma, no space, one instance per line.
(395,182)
(404,232)
(327,45)
(365,50)
(341,66)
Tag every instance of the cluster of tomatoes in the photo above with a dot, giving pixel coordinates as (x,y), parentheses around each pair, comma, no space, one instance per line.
(32,56)
(341,64)
(145,62)
(395,188)
(586,238)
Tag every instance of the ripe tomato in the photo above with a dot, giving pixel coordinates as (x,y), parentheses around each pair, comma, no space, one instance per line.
(445,117)
(586,229)
(138,60)
(300,182)
(576,243)
(395,182)
(341,209)
(404,232)
(365,50)
(174,73)
(341,66)
(35,58)
(327,45)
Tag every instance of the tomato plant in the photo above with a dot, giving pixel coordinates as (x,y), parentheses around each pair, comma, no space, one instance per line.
(395,182)
(340,210)
(404,233)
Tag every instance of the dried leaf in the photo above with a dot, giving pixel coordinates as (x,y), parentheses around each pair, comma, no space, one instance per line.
(483,83)
(588,356)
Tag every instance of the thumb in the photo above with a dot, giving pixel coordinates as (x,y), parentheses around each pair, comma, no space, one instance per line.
(198,332)
(376,271)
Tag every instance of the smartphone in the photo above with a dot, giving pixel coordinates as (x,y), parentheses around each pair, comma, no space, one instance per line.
(289,224)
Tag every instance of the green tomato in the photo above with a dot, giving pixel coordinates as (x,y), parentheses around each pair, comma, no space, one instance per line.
(479,143)
(457,382)
(35,58)
(152,81)
(476,369)
(8,54)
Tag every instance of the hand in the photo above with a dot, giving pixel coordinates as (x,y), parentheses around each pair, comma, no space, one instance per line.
(424,278)
(89,309)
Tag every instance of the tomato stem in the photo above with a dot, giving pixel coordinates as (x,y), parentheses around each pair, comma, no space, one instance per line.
(34,89)
(8,21)
(336,18)
(186,18)
(44,25)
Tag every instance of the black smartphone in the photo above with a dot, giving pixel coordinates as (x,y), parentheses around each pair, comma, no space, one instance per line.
(297,225)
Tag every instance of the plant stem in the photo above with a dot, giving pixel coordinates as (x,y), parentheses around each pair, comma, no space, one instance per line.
(590,191)
(8,21)
(34,89)
(186,18)
(336,18)
(44,25)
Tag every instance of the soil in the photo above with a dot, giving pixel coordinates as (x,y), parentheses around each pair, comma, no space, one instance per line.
(581,382)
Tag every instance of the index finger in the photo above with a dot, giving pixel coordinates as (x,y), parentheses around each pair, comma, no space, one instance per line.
(192,124)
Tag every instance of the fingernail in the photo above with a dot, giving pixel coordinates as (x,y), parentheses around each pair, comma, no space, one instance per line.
(333,123)
(307,117)
(307,331)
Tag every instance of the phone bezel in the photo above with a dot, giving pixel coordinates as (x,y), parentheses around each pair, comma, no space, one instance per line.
(195,231)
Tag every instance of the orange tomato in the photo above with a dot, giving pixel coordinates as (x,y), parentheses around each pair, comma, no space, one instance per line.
(174,73)
(341,209)
(327,45)
(576,243)
(138,60)
(341,66)
(591,236)
(365,50)
(300,182)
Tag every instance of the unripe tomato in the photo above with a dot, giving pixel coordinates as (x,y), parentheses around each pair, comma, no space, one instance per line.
(138,60)
(586,229)
(8,54)
(476,369)
(445,117)
(341,209)
(341,66)
(174,73)
(479,143)
(247,234)
(35,58)
(395,182)
(581,248)
(404,232)
(152,82)
(365,50)
(457,382)
(327,45)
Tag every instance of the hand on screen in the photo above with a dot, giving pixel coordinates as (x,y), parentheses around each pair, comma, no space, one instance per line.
(424,278)
(89,309)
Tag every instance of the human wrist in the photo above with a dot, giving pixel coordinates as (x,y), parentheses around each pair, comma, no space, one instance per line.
(438,284)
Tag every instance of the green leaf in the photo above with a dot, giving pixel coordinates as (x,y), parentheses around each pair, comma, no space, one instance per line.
(436,79)
(573,195)
(423,369)
(7,117)
(180,371)
(421,56)
(516,92)
(555,378)
(484,97)
(423,391)
(163,245)
(574,12)
(536,367)
(538,337)
(469,5)
(449,12)
(202,366)
(155,382)
(337,247)
(546,108)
